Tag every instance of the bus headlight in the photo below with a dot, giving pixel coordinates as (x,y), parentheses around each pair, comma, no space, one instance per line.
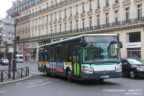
(118,68)
(87,69)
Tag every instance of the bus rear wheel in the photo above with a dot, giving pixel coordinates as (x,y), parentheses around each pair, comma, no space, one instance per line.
(46,72)
(101,81)
(68,75)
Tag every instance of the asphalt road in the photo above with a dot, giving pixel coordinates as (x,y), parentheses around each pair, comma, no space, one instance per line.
(40,85)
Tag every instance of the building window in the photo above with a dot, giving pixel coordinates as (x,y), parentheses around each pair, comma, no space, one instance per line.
(116,1)
(107,18)
(139,12)
(98,20)
(60,28)
(77,25)
(51,30)
(76,9)
(65,15)
(46,5)
(134,37)
(39,21)
(47,18)
(90,5)
(43,20)
(70,11)
(98,4)
(83,23)
(47,30)
(55,28)
(127,14)
(83,7)
(116,16)
(107,2)
(90,22)
(51,3)
(55,16)
(39,32)
(51,17)
(65,27)
(60,14)
(56,2)
(71,26)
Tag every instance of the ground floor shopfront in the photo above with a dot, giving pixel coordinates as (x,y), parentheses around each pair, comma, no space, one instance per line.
(133,43)
(132,40)
(29,51)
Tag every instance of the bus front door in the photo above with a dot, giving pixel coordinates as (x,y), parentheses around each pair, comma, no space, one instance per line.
(76,63)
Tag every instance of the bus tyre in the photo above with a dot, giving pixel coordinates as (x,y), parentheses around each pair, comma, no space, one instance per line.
(68,75)
(101,81)
(132,74)
(45,70)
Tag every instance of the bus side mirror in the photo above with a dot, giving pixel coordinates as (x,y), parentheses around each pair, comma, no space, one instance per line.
(83,43)
(120,44)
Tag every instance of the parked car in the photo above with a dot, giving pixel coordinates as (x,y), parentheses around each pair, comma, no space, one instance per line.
(132,67)
(4,61)
(19,58)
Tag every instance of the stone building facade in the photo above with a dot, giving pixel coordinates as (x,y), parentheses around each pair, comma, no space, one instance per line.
(44,21)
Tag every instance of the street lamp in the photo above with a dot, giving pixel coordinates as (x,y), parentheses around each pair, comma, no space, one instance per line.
(14,43)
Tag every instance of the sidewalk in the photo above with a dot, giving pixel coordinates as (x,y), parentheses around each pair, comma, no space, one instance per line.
(17,80)
(21,73)
(33,67)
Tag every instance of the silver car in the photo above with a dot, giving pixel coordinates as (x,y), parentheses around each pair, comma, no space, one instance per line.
(4,61)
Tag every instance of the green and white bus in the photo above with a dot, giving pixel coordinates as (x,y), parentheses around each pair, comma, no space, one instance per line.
(84,57)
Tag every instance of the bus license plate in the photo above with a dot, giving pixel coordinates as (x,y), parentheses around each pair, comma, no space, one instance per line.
(105,76)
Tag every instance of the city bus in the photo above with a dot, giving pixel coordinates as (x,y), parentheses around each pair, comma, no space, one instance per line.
(84,57)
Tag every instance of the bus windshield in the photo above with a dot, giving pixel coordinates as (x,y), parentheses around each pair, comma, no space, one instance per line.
(101,50)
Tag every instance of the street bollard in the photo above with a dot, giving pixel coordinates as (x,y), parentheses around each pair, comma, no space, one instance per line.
(21,73)
(1,75)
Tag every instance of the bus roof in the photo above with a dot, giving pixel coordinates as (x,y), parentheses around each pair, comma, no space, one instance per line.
(76,37)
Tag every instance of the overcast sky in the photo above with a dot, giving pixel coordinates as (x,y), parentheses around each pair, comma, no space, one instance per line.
(4,6)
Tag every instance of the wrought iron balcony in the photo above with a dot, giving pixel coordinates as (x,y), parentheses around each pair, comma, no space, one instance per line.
(48,8)
(112,25)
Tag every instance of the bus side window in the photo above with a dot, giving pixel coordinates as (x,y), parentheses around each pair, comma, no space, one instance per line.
(58,54)
(43,56)
(49,55)
(52,54)
(76,54)
(62,54)
(46,55)
(68,54)
(39,56)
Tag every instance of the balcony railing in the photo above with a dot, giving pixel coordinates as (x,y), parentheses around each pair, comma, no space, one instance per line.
(87,29)
(48,8)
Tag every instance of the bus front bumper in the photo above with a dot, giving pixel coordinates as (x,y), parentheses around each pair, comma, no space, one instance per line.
(100,75)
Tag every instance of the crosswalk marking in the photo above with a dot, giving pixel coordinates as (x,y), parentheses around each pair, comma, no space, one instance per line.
(3,91)
(38,73)
(40,84)
(35,82)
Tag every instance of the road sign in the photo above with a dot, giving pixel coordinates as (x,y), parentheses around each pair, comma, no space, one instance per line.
(8,28)
(8,35)
(11,50)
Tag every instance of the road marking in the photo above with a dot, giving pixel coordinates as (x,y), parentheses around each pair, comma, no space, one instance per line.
(3,91)
(38,73)
(38,85)
(35,82)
